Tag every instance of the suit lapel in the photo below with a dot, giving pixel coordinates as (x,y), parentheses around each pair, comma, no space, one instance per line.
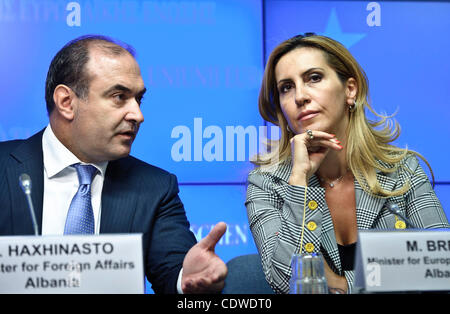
(119,199)
(369,206)
(367,209)
(26,158)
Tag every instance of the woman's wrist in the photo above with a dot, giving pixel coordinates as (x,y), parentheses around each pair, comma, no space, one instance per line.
(298,179)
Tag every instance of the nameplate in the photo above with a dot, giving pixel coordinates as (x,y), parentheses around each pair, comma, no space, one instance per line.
(411,260)
(72,264)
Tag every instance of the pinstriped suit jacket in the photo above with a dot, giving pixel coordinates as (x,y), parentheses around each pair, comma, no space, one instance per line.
(275,211)
(136,198)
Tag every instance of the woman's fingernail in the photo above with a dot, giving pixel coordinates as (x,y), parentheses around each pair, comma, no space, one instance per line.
(334,140)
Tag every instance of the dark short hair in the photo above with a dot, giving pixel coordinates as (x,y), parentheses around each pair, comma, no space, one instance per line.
(68,65)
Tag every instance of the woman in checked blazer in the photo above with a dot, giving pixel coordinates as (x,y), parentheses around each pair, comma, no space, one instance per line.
(333,171)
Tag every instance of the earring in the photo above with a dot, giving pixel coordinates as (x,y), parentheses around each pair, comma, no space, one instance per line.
(288,129)
(352,108)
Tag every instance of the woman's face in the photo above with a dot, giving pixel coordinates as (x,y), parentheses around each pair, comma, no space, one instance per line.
(310,93)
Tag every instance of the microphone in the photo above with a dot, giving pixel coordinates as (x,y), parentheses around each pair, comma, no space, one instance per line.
(393,208)
(25,184)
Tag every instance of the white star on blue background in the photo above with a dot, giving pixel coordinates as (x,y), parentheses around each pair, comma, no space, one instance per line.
(333,30)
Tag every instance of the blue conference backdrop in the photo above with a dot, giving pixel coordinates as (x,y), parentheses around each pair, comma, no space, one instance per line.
(202,63)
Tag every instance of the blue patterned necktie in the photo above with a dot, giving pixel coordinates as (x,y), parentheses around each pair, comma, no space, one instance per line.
(80,218)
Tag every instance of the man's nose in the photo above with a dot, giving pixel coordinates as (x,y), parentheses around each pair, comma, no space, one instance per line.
(135,113)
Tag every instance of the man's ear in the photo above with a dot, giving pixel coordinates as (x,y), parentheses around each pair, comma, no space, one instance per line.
(64,99)
(351,90)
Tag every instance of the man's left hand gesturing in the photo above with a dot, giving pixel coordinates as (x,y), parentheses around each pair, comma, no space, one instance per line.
(203,270)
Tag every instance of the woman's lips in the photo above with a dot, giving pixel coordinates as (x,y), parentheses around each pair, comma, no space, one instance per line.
(308,115)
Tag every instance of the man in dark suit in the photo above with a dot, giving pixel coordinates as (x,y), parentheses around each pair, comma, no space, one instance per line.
(93,94)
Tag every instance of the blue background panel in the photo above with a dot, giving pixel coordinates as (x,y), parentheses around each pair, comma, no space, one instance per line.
(209,204)
(189,60)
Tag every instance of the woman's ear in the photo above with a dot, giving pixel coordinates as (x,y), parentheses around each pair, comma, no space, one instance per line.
(351,90)
(64,99)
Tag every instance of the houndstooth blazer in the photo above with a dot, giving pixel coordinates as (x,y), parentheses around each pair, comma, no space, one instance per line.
(275,211)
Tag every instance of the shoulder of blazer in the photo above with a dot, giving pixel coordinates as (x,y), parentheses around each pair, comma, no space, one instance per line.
(7,147)
(138,172)
(405,169)
(278,172)
(22,150)
(134,164)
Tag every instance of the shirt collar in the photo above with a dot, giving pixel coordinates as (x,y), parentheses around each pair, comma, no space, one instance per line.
(57,157)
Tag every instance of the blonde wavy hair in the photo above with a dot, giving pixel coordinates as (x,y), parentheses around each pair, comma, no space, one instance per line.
(368,142)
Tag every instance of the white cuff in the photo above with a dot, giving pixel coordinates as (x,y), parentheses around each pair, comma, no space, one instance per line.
(180,275)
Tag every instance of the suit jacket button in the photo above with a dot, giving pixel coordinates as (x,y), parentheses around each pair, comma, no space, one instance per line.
(311,226)
(312,205)
(309,247)
(400,224)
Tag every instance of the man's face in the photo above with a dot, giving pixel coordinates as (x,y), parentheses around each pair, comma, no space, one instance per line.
(106,123)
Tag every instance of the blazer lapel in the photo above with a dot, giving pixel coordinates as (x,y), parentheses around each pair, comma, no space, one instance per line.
(369,206)
(119,199)
(26,158)
(367,209)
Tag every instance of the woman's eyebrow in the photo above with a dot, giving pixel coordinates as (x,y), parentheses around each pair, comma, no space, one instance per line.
(303,74)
